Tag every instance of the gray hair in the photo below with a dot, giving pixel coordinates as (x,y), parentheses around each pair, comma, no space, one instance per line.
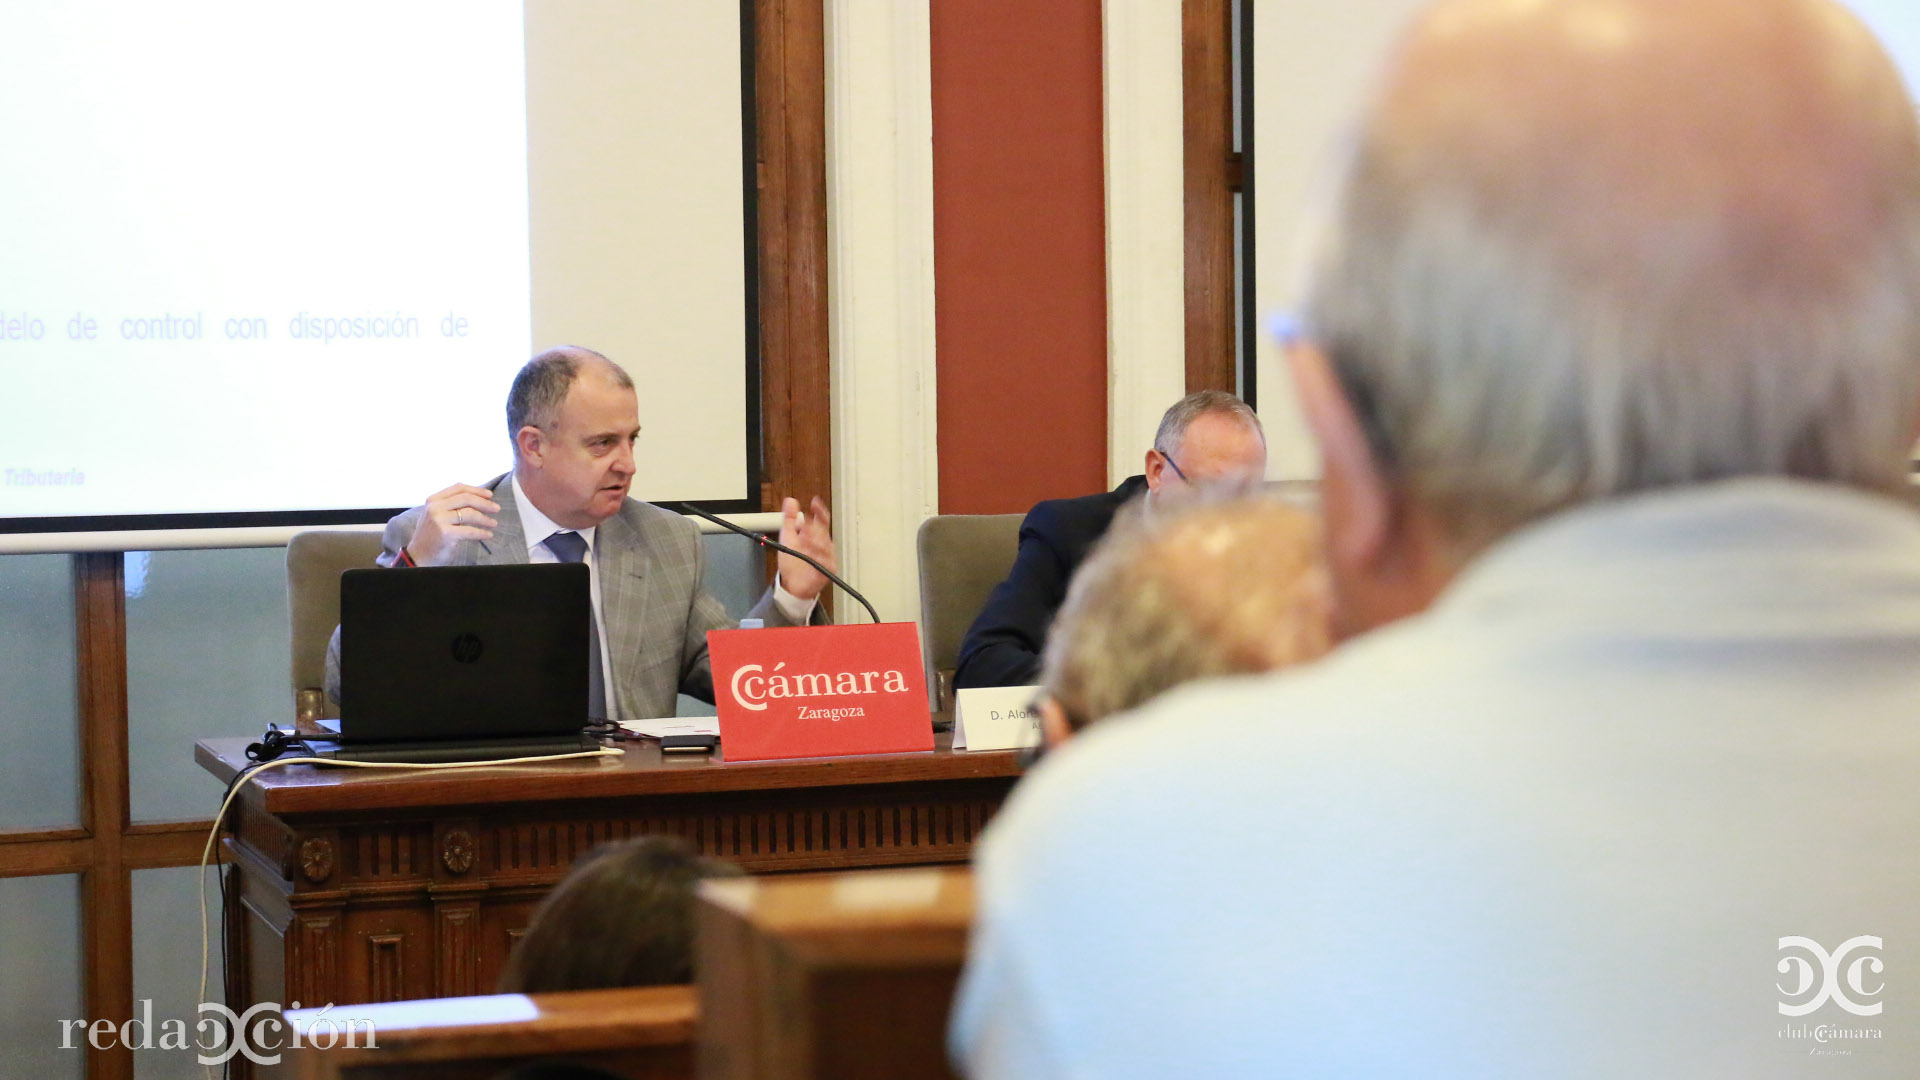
(1215,586)
(1522,333)
(1181,414)
(542,385)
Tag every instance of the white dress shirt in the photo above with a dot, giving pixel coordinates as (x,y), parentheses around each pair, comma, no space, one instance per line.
(537,526)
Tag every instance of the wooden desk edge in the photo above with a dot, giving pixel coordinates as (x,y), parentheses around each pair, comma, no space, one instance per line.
(577,1021)
(223,758)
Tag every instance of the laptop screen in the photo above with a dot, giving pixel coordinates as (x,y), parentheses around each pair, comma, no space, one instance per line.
(463,652)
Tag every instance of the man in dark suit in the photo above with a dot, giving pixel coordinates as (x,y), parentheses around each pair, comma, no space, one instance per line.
(1209,439)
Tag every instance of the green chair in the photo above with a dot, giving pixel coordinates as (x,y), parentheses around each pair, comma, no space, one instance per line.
(962,557)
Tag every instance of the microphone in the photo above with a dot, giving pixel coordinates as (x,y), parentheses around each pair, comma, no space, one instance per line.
(689,508)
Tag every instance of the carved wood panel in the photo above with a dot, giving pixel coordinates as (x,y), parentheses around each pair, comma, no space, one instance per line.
(457,945)
(504,919)
(386,960)
(429,904)
(313,957)
(388,951)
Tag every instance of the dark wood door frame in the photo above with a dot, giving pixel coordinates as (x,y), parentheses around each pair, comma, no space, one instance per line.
(1214,175)
(791,119)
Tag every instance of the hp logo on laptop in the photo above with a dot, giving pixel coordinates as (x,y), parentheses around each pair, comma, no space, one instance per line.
(467,648)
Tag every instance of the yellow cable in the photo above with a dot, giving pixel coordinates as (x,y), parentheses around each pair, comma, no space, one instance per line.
(206,853)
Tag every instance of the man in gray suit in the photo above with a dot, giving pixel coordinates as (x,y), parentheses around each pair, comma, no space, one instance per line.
(574,417)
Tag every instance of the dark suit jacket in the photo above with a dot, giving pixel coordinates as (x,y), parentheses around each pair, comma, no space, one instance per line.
(1002,648)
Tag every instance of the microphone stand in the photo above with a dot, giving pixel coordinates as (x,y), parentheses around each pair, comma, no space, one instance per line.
(689,508)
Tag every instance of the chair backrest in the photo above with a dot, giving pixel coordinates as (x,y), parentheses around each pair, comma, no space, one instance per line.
(315,560)
(962,557)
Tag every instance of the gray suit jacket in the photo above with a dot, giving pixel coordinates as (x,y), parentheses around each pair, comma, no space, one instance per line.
(649,562)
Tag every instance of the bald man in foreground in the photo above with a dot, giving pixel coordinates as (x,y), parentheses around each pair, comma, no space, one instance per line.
(1613,357)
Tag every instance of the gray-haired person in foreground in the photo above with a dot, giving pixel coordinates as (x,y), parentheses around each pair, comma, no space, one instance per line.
(1212,587)
(1612,354)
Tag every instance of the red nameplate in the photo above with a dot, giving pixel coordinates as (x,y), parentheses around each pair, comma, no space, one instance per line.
(820,691)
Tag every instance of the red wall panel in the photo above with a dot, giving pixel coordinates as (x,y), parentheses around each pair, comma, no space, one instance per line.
(1019,228)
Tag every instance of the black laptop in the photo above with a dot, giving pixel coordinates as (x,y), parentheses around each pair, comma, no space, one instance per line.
(462,663)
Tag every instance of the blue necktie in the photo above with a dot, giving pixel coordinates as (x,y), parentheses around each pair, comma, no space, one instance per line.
(572,547)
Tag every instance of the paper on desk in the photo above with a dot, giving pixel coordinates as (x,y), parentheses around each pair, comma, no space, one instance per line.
(875,890)
(453,1012)
(674,725)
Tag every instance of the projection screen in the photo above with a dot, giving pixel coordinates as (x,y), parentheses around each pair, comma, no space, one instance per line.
(277,264)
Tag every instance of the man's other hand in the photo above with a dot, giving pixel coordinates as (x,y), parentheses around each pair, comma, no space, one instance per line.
(812,533)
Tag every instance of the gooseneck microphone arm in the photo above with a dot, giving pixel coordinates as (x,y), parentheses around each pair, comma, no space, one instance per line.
(689,508)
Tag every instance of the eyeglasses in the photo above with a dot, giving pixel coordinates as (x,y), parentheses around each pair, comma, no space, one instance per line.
(1172,464)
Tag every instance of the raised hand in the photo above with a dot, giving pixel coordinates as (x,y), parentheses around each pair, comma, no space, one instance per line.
(813,534)
(460,512)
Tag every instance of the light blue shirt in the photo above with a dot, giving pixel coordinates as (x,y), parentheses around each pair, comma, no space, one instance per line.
(1557,826)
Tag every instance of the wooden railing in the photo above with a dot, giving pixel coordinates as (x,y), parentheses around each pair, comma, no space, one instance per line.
(846,976)
(644,1033)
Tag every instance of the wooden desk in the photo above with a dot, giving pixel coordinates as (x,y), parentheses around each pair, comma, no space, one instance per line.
(831,976)
(645,1033)
(361,886)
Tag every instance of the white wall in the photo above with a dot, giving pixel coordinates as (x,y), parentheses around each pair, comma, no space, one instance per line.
(638,224)
(880,296)
(1313,64)
(1146,241)
(1898,24)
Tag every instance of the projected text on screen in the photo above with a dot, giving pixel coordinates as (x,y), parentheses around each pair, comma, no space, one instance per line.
(258,257)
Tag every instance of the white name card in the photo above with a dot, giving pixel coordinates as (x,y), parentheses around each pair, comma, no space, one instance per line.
(996,718)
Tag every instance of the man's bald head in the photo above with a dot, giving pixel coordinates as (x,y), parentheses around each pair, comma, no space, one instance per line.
(543,382)
(1589,247)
